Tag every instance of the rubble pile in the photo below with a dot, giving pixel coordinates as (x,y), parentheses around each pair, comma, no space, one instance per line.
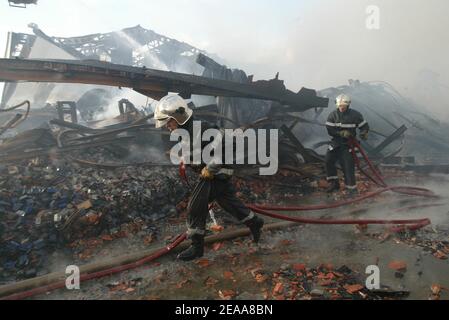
(429,241)
(275,189)
(44,205)
(49,205)
(298,282)
(69,188)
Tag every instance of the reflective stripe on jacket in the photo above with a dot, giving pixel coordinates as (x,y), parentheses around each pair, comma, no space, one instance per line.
(348,120)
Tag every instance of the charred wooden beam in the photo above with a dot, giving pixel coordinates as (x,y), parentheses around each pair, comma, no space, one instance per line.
(53,151)
(154,83)
(308,154)
(11,122)
(67,107)
(390,139)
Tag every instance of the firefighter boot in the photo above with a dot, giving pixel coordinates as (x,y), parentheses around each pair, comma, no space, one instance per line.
(352,192)
(196,249)
(334,186)
(255,225)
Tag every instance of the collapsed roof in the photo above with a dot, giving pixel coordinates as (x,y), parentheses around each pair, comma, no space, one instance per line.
(21,3)
(129,54)
(132,46)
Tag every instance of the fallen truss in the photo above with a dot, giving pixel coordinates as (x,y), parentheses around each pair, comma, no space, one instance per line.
(154,83)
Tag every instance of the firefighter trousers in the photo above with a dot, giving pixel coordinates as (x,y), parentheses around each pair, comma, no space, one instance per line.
(223,192)
(342,155)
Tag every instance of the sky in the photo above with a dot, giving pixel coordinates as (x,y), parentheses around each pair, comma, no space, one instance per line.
(312,43)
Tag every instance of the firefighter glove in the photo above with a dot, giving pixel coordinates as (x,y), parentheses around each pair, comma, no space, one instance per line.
(345,133)
(206,174)
(364,135)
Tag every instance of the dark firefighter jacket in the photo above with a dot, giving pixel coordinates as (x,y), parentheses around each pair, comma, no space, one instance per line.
(215,168)
(348,120)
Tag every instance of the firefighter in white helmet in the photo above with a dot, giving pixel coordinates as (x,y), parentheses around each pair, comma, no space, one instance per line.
(172,107)
(341,125)
(172,112)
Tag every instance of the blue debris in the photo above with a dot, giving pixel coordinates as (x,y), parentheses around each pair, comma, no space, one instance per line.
(53,238)
(28,209)
(52,190)
(9,265)
(30,273)
(5,203)
(25,252)
(39,244)
(12,247)
(23,261)
(62,204)
(26,247)
(17,206)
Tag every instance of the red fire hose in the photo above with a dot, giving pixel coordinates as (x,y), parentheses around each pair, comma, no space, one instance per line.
(61,284)
(183,175)
(409,224)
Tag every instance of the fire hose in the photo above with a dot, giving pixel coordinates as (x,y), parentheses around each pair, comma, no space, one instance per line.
(404,224)
(95,275)
(410,224)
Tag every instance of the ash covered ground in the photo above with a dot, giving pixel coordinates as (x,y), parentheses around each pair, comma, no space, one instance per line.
(60,213)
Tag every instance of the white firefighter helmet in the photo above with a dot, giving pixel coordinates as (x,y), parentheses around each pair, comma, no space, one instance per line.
(342,100)
(171,107)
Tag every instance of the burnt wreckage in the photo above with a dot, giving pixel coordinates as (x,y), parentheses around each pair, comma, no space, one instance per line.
(74,181)
(154,65)
(230,96)
(68,175)
(21,3)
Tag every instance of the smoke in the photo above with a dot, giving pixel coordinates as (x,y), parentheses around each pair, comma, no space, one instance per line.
(147,154)
(395,206)
(316,44)
(329,43)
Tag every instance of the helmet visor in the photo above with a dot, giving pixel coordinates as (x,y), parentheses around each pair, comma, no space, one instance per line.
(160,123)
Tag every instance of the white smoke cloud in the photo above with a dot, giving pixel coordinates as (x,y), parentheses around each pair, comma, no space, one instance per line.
(329,43)
(316,44)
